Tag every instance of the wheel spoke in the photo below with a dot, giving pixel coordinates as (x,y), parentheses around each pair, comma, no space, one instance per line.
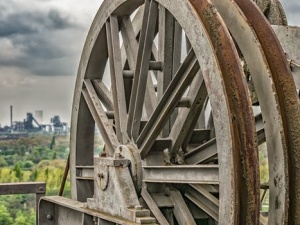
(208,150)
(188,117)
(103,94)
(177,47)
(204,200)
(165,55)
(117,82)
(202,153)
(130,42)
(100,117)
(141,69)
(153,207)
(181,211)
(166,49)
(169,101)
(131,46)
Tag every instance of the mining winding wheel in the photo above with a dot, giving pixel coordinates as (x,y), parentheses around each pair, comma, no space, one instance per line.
(163,81)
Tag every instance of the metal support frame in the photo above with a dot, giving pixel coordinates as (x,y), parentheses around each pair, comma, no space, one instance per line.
(147,107)
(37,188)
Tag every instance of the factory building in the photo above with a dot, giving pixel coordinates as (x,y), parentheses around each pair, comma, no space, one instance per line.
(32,124)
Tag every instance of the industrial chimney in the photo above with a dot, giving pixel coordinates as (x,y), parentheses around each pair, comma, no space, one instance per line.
(11,117)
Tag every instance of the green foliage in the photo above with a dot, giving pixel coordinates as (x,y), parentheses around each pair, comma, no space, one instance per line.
(263,163)
(27,165)
(23,219)
(3,162)
(37,158)
(18,171)
(5,217)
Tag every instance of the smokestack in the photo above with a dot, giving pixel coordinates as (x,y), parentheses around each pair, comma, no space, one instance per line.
(11,117)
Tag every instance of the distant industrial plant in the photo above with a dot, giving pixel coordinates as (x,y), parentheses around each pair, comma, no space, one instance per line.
(32,124)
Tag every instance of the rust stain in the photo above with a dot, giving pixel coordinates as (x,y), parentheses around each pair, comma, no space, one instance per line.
(245,147)
(288,99)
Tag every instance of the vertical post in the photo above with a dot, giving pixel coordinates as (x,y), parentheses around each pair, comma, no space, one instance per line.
(11,118)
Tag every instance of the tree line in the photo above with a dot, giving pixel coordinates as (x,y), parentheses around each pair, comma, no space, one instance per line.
(36,158)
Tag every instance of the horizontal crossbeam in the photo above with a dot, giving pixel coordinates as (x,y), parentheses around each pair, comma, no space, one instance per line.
(196,174)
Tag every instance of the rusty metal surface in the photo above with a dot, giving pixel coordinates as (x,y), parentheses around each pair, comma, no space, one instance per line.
(249,46)
(245,152)
(288,99)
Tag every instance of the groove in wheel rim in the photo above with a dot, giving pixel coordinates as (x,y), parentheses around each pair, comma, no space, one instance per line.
(246,39)
(287,96)
(92,98)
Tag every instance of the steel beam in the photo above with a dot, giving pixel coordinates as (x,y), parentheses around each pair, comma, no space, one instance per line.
(201,174)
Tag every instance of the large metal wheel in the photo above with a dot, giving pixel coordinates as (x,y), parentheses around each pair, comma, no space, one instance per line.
(163,83)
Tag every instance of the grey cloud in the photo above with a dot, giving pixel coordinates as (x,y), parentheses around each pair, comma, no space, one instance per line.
(31,22)
(39,46)
(57,21)
(43,56)
(43,40)
(294,9)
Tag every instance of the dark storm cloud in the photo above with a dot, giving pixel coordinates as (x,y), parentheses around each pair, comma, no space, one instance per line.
(41,41)
(39,46)
(31,22)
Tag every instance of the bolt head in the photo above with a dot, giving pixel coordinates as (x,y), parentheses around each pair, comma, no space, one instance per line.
(49,217)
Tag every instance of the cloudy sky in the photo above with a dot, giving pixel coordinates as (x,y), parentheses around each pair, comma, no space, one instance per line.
(40,47)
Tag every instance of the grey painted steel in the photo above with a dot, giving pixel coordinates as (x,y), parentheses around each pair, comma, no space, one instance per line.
(204,152)
(23,188)
(37,188)
(166,37)
(181,211)
(141,70)
(154,208)
(204,200)
(103,94)
(91,65)
(112,178)
(139,61)
(214,83)
(71,212)
(166,105)
(100,118)
(190,174)
(118,91)
(202,46)
(188,117)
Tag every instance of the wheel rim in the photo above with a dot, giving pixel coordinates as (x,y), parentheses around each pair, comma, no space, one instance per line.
(231,132)
(246,39)
(287,96)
